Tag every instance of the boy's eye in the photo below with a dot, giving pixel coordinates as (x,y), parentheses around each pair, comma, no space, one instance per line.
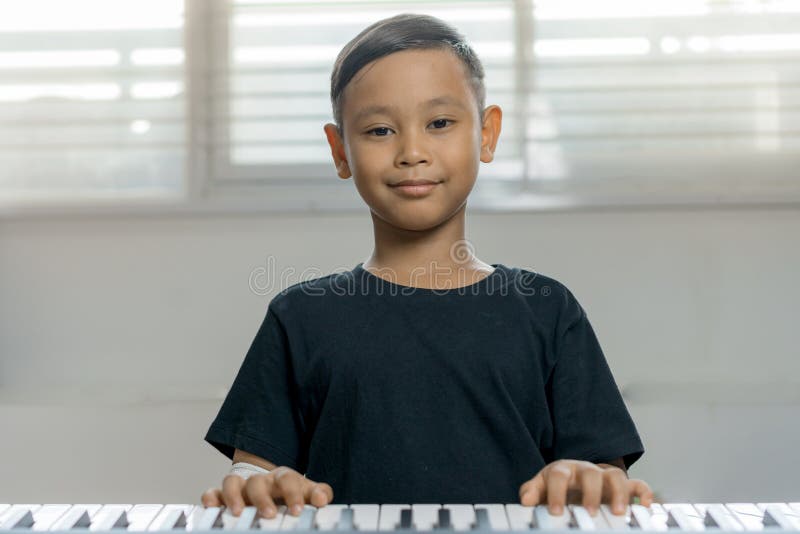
(441,122)
(380,128)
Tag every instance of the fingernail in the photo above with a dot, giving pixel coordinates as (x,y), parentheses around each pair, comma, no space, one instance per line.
(270,511)
(618,508)
(557,510)
(297,508)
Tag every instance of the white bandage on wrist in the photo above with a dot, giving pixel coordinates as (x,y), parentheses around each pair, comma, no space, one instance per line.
(246,470)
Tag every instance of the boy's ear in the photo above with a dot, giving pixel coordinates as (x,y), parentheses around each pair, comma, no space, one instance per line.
(337,151)
(490,131)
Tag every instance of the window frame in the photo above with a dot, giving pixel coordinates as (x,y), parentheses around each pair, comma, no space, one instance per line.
(207,190)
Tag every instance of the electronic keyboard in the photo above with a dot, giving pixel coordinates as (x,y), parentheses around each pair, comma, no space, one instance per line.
(375,518)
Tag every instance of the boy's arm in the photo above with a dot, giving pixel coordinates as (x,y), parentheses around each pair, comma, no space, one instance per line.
(242,456)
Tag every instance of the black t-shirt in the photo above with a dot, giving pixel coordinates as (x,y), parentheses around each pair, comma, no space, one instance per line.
(395,394)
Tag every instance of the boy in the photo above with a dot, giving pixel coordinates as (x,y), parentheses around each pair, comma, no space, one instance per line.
(424,374)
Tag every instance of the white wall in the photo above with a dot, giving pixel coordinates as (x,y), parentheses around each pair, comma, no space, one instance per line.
(119,335)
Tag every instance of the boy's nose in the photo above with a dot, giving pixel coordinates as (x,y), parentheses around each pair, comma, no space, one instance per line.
(412,151)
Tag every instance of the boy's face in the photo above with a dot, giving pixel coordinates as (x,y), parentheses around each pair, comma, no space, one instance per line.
(412,138)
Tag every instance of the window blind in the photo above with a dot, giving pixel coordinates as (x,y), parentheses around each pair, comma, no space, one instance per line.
(618,99)
(271,93)
(91,99)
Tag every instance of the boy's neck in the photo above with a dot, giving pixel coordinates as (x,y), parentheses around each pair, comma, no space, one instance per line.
(437,258)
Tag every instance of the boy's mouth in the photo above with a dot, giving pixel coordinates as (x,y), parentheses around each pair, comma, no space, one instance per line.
(414,183)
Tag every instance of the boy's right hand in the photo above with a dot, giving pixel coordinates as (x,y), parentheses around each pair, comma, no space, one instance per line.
(283,485)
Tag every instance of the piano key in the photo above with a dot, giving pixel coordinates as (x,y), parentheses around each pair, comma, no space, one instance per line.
(46,516)
(498,519)
(795,506)
(788,511)
(581,518)
(389,517)
(111,516)
(640,518)
(172,520)
(305,521)
(520,517)
(748,514)
(21,518)
(365,516)
(776,517)
(246,519)
(77,517)
(481,520)
(683,516)
(3,508)
(141,515)
(462,516)
(207,518)
(658,517)
(328,516)
(425,516)
(717,516)
(406,519)
(544,520)
(345,522)
(273,523)
(616,522)
(443,522)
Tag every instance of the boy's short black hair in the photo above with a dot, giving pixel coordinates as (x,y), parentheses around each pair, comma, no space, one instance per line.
(393,34)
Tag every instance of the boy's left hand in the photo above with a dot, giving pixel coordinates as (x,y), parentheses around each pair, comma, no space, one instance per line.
(597,483)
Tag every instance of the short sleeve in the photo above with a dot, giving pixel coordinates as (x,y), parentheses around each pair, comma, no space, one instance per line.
(259,414)
(590,419)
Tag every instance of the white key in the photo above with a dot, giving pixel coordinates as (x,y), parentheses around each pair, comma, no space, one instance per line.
(328,516)
(111,516)
(290,522)
(718,516)
(498,519)
(46,516)
(788,511)
(273,523)
(519,517)
(795,506)
(425,516)
(77,516)
(616,522)
(780,517)
(545,520)
(683,516)
(640,518)
(658,517)
(748,515)
(141,515)
(365,516)
(170,515)
(3,508)
(462,516)
(19,517)
(582,519)
(390,516)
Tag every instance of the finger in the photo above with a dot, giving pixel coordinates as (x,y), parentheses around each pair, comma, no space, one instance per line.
(259,490)
(558,477)
(318,493)
(532,491)
(212,497)
(289,484)
(615,484)
(639,488)
(591,482)
(232,493)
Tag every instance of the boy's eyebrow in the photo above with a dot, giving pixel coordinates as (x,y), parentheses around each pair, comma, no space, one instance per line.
(438,101)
